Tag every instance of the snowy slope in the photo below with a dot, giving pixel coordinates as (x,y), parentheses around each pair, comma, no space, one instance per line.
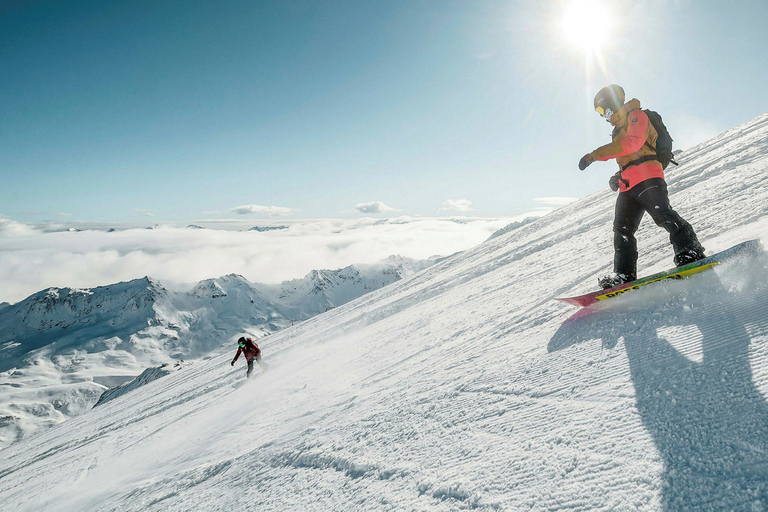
(147,376)
(60,349)
(467,386)
(322,290)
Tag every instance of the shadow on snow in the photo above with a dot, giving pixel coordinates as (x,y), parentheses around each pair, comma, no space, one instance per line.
(708,420)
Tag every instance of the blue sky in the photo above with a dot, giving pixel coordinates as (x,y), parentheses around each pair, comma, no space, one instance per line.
(182,111)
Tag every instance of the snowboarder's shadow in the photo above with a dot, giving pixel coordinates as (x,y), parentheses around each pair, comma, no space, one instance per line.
(708,420)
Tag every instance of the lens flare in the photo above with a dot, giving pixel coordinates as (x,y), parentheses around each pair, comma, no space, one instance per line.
(586,24)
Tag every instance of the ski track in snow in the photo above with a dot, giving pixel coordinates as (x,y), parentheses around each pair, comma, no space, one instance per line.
(466,386)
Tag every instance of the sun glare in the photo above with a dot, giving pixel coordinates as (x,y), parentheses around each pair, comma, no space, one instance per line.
(586,24)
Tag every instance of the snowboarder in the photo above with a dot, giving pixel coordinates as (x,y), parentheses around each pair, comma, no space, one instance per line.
(641,185)
(251,351)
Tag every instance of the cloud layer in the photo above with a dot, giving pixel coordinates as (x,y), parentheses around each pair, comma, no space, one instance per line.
(33,259)
(277,211)
(459,205)
(555,201)
(374,207)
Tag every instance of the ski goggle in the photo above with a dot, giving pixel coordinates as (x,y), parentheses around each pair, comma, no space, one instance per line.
(606,113)
(240,344)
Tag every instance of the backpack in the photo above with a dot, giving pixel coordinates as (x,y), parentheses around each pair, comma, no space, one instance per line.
(663,147)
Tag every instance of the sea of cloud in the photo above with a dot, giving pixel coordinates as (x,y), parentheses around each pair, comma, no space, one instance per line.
(34,257)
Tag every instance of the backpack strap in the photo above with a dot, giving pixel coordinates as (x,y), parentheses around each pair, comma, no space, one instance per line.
(621,178)
(642,159)
(671,159)
(646,158)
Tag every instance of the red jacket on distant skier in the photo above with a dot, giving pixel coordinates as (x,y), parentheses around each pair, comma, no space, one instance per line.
(249,349)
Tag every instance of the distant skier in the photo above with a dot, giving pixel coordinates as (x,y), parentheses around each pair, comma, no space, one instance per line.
(251,351)
(641,186)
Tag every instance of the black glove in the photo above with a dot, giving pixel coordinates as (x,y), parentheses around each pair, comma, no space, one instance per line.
(233,363)
(585,161)
(613,182)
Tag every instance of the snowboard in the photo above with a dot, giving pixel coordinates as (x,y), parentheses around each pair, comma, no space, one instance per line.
(240,383)
(675,273)
(243,382)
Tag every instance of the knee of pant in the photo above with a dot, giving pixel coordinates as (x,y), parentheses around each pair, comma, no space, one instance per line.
(623,237)
(624,230)
(662,215)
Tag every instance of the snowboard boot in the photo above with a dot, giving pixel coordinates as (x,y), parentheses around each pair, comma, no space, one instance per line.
(614,279)
(687,256)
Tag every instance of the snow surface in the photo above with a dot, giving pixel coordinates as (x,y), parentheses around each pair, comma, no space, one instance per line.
(60,349)
(467,386)
(147,376)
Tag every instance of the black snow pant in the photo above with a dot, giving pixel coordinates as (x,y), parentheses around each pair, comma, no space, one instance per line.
(648,196)
(262,365)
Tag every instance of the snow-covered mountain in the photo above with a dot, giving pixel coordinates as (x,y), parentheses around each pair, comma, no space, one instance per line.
(511,227)
(322,290)
(147,376)
(468,386)
(62,348)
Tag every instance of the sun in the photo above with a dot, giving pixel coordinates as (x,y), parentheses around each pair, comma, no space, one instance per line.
(586,24)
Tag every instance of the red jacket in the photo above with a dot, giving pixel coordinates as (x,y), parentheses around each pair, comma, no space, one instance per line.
(633,129)
(251,351)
